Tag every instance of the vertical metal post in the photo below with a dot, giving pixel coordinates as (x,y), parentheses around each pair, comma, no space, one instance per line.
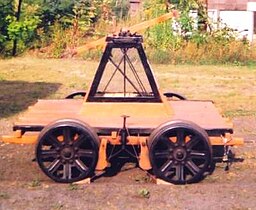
(124,52)
(123,132)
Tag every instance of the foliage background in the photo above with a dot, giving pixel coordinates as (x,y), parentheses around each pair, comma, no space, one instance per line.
(54,28)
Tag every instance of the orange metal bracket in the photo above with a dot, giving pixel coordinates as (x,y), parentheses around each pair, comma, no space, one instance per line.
(102,161)
(18,138)
(144,161)
(230,141)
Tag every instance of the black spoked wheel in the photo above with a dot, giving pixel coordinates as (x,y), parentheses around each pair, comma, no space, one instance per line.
(175,96)
(180,152)
(67,150)
(76,94)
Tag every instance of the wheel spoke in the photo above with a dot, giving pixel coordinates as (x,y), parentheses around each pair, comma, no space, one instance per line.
(162,154)
(67,173)
(166,166)
(80,140)
(192,167)
(49,153)
(193,142)
(81,166)
(198,155)
(54,140)
(180,136)
(180,173)
(54,166)
(167,142)
(85,153)
(66,135)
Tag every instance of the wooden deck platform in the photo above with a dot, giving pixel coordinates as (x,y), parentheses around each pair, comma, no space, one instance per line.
(203,113)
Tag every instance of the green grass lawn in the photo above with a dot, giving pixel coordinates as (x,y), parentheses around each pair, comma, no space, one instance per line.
(24,80)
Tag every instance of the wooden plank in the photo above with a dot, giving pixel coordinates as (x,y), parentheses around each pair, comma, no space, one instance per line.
(203,113)
(110,122)
(58,104)
(46,111)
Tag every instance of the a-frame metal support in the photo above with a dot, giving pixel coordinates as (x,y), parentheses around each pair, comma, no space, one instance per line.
(125,42)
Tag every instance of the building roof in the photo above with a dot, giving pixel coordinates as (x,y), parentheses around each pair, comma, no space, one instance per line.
(228,4)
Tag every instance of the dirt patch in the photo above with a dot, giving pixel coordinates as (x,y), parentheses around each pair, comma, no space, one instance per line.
(24,186)
(245,127)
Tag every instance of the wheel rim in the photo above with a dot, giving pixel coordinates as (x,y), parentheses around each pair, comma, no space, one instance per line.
(174,95)
(67,153)
(75,94)
(180,155)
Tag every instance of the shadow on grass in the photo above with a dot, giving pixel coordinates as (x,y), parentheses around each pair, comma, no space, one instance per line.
(16,96)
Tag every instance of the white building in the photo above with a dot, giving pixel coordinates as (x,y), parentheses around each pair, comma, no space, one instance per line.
(237,14)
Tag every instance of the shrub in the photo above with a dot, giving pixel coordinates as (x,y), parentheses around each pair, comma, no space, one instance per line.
(183,40)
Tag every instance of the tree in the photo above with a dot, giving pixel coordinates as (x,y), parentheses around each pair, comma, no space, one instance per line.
(21,27)
(6,9)
(14,49)
(24,22)
(120,8)
(18,27)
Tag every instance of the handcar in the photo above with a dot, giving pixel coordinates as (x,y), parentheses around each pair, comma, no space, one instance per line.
(125,116)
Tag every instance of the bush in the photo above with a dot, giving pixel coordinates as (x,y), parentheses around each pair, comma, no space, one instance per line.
(183,40)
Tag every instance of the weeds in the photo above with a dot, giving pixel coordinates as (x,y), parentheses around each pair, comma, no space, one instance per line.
(142,179)
(209,53)
(73,187)
(35,183)
(239,112)
(144,193)
(58,47)
(4,195)
(57,206)
(183,40)
(93,54)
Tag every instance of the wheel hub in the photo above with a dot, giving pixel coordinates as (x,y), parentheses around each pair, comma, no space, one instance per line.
(180,154)
(67,153)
